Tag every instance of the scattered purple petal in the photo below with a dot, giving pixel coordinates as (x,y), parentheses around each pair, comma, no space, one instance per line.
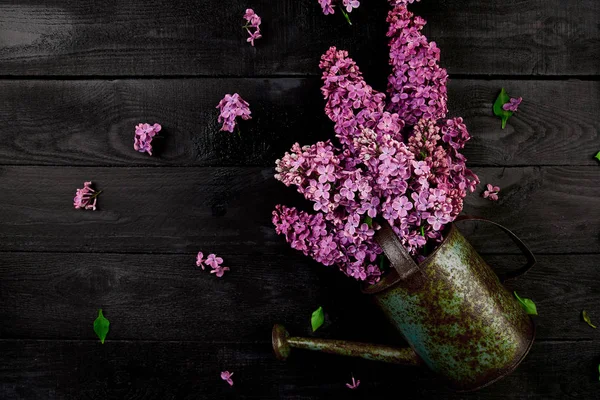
(513,104)
(200,260)
(85,198)
(231,107)
(491,192)
(226,376)
(144,133)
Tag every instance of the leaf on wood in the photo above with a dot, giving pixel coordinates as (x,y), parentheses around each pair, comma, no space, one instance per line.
(587,319)
(527,304)
(101,325)
(597,156)
(502,99)
(317,318)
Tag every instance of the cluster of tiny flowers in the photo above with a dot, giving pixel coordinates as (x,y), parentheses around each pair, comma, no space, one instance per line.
(252,26)
(397,160)
(144,133)
(211,261)
(86,197)
(513,104)
(231,107)
(417,84)
(491,192)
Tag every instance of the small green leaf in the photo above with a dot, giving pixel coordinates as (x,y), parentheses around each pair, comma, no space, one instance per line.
(587,319)
(502,99)
(368,220)
(317,319)
(101,326)
(527,304)
(597,156)
(599,372)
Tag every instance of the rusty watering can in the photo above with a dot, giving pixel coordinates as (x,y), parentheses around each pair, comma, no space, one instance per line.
(451,308)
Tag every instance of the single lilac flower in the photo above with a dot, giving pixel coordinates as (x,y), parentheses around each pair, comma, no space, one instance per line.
(513,104)
(491,192)
(219,271)
(213,261)
(200,260)
(226,376)
(350,4)
(354,384)
(86,197)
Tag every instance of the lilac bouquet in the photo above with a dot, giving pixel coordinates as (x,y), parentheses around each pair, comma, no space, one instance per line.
(398,158)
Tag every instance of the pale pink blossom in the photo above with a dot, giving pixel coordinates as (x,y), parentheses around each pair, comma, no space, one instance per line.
(491,192)
(252,26)
(144,133)
(200,260)
(86,197)
(226,376)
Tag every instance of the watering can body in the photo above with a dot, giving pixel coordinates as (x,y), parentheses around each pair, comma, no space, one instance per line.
(454,312)
(451,308)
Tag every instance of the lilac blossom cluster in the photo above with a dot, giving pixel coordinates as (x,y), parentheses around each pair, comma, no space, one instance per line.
(86,197)
(348,5)
(144,133)
(252,26)
(231,107)
(398,159)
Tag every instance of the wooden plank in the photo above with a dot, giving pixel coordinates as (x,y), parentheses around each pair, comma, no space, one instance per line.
(91,123)
(228,210)
(166,298)
(158,37)
(184,370)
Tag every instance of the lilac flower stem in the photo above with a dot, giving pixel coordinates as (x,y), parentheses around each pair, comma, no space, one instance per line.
(345,14)
(95,194)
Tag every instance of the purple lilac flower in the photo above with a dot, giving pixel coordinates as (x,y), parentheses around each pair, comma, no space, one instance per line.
(144,133)
(226,376)
(252,26)
(327,6)
(231,107)
(354,384)
(491,192)
(350,4)
(513,104)
(398,159)
(86,197)
(212,261)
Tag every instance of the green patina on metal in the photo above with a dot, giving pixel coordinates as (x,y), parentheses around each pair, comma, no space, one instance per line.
(452,310)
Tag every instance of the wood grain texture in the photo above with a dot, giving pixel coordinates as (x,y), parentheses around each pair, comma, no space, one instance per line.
(179,370)
(167,298)
(184,37)
(228,210)
(91,123)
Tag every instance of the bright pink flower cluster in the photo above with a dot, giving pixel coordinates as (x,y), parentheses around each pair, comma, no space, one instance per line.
(398,160)
(231,107)
(86,197)
(252,26)
(144,133)
(212,261)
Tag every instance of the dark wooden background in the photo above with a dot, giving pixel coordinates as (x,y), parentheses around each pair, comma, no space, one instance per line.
(75,78)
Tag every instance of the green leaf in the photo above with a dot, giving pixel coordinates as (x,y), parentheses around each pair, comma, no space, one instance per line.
(101,326)
(502,99)
(368,220)
(597,156)
(317,318)
(587,319)
(599,372)
(527,304)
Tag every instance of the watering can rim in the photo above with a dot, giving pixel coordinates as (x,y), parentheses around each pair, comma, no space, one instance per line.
(391,277)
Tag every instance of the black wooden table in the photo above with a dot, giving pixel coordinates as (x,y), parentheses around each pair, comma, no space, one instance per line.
(77,76)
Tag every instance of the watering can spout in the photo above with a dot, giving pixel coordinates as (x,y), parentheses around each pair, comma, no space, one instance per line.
(283,344)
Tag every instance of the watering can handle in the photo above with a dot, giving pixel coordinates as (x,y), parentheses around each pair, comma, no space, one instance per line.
(531,261)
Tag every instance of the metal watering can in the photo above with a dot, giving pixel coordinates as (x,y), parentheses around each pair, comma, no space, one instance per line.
(451,308)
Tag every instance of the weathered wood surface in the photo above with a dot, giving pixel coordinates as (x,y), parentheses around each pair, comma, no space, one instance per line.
(91,123)
(167,298)
(228,210)
(184,370)
(185,37)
